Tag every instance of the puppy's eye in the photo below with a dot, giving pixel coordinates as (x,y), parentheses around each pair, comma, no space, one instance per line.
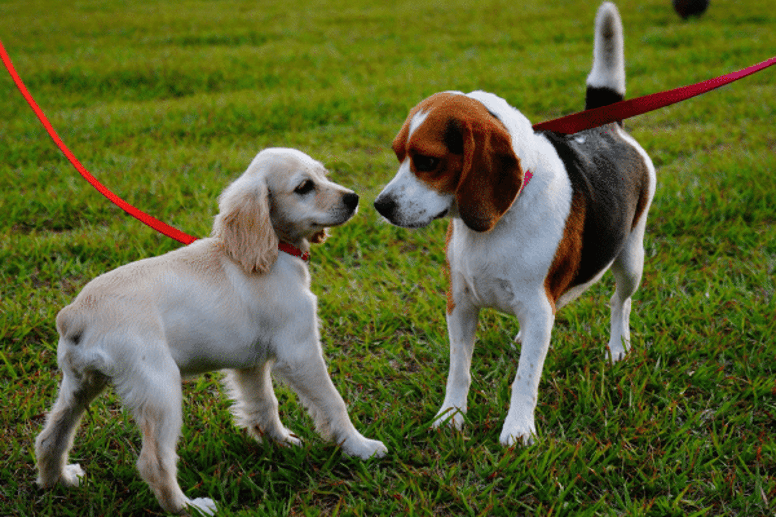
(304,187)
(425,163)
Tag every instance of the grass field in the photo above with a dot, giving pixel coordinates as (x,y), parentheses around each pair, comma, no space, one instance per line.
(166,102)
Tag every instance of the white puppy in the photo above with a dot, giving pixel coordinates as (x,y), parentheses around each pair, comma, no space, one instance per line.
(231,301)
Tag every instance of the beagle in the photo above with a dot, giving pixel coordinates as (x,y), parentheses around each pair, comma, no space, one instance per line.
(537,217)
(239,301)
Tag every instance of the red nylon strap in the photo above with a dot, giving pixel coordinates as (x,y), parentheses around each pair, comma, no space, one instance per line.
(154,223)
(640,105)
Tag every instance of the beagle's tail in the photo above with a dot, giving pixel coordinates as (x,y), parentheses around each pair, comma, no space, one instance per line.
(606,82)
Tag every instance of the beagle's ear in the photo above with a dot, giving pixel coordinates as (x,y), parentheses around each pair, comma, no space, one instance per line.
(319,237)
(399,144)
(244,227)
(491,176)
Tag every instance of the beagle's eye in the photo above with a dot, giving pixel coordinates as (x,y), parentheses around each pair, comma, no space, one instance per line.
(425,163)
(304,187)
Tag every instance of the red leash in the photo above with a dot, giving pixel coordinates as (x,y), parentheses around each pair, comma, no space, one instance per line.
(568,124)
(630,108)
(143,217)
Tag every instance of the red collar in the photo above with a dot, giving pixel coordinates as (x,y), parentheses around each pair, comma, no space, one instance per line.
(293,250)
(526,180)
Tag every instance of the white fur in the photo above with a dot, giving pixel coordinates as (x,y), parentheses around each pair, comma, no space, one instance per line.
(608,62)
(419,204)
(226,302)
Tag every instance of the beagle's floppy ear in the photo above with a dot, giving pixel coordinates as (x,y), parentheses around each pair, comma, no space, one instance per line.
(244,227)
(491,176)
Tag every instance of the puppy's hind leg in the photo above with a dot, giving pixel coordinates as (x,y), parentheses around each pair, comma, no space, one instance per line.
(153,394)
(53,443)
(255,405)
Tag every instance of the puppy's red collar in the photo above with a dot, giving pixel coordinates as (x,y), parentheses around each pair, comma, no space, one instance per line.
(293,250)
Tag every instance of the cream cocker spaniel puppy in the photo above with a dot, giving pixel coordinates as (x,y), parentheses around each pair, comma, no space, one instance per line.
(231,302)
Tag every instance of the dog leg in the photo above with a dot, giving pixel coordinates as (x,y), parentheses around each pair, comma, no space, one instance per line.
(153,394)
(308,377)
(535,329)
(627,270)
(255,405)
(461,328)
(56,439)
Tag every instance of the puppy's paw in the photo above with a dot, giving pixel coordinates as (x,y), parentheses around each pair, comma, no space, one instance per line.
(364,448)
(291,440)
(524,434)
(72,475)
(201,506)
(449,416)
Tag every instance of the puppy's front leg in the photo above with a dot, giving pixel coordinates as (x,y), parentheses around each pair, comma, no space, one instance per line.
(308,377)
(535,330)
(255,405)
(461,328)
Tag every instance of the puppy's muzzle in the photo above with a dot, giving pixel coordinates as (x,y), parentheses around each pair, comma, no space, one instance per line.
(350,200)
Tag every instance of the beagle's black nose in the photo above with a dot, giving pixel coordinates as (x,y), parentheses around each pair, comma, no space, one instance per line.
(386,206)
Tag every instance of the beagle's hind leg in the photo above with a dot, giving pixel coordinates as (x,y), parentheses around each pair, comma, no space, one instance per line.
(76,391)
(627,270)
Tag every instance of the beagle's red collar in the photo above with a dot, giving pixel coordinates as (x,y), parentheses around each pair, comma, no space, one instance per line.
(293,250)
(526,180)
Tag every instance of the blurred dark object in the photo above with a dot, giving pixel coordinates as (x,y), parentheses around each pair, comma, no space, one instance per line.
(687,8)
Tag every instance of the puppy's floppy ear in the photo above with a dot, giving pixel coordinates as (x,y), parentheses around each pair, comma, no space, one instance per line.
(244,227)
(491,175)
(319,237)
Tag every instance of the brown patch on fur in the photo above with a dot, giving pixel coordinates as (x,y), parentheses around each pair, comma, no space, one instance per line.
(476,161)
(568,255)
(448,269)
(641,204)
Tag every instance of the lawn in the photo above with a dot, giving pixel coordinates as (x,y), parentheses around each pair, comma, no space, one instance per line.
(166,102)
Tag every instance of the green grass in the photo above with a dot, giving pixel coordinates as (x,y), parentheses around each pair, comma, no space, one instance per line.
(166,102)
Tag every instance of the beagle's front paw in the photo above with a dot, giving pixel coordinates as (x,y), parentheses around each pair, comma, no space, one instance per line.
(518,432)
(450,416)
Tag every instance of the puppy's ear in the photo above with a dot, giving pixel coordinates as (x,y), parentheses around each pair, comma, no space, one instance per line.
(491,175)
(319,237)
(244,227)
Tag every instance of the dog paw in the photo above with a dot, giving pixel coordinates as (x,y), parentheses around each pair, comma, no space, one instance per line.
(201,506)
(291,440)
(449,416)
(618,348)
(514,434)
(616,353)
(364,448)
(72,475)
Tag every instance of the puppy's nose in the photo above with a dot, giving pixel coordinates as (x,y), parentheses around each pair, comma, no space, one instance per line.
(350,200)
(386,206)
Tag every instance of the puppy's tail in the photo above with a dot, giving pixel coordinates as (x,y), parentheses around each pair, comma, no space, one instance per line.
(606,82)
